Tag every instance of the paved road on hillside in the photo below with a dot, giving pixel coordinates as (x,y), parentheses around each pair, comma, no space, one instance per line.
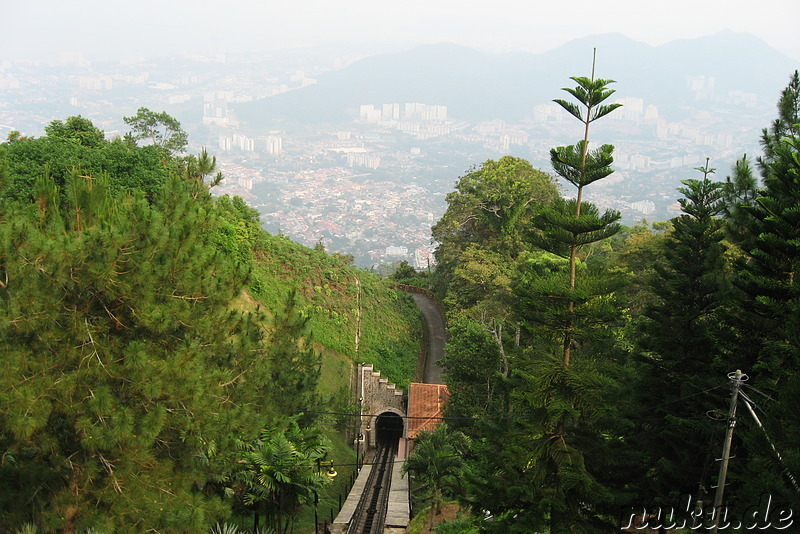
(434,322)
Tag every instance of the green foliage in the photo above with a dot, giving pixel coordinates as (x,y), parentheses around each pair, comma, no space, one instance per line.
(642,251)
(473,371)
(458,526)
(548,306)
(436,464)
(690,290)
(570,312)
(403,273)
(784,127)
(492,206)
(612,390)
(128,168)
(76,129)
(481,275)
(227,528)
(336,298)
(197,168)
(580,166)
(543,390)
(569,225)
(295,361)
(148,329)
(591,93)
(566,228)
(125,317)
(767,335)
(160,129)
(280,472)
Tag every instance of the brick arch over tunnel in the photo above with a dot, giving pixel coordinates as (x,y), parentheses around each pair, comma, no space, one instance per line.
(381,404)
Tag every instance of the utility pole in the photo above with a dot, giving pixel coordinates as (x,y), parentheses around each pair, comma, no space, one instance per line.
(737,378)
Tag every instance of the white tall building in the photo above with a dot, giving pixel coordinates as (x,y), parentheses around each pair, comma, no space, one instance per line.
(391,112)
(368,113)
(215,109)
(96,83)
(274,145)
(244,143)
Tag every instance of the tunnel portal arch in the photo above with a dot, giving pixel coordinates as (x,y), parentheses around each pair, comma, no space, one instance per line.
(387,423)
(389,428)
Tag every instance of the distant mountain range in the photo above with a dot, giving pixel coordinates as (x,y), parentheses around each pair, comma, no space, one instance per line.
(478,86)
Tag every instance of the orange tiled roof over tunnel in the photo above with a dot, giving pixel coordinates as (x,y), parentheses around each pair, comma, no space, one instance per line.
(425,404)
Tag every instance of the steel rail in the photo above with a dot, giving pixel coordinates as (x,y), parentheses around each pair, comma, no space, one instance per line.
(371,510)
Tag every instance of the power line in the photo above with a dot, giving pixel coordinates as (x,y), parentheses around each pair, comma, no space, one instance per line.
(493,416)
(753,404)
(689,396)
(786,471)
(397,414)
(748,386)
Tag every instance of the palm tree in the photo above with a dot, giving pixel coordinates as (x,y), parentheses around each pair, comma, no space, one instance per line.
(437,463)
(280,474)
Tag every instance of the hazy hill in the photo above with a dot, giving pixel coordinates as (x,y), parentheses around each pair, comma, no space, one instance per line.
(479,86)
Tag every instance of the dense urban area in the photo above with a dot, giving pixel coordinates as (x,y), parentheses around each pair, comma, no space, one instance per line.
(374,185)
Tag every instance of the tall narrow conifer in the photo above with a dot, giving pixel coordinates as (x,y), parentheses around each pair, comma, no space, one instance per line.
(679,350)
(770,318)
(568,311)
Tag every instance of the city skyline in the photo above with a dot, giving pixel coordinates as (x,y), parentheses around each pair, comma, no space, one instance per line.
(371,183)
(113,30)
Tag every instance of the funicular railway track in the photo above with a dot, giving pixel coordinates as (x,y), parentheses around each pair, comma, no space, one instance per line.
(371,510)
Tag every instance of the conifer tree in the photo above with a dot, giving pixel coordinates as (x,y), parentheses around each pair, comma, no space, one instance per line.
(770,327)
(739,193)
(128,377)
(558,398)
(571,224)
(680,352)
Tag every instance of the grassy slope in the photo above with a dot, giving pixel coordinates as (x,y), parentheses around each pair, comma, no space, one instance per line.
(328,293)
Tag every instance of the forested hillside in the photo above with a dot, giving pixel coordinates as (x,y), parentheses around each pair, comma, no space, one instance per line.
(159,347)
(591,366)
(161,351)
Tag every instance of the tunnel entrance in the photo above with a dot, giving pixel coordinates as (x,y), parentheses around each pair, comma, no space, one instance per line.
(389,427)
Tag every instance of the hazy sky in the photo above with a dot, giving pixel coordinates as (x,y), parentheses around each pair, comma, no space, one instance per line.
(115,29)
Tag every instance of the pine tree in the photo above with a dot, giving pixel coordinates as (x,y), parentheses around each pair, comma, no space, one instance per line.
(128,376)
(740,192)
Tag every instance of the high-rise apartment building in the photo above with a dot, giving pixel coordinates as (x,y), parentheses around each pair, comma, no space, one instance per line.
(215,109)
(274,145)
